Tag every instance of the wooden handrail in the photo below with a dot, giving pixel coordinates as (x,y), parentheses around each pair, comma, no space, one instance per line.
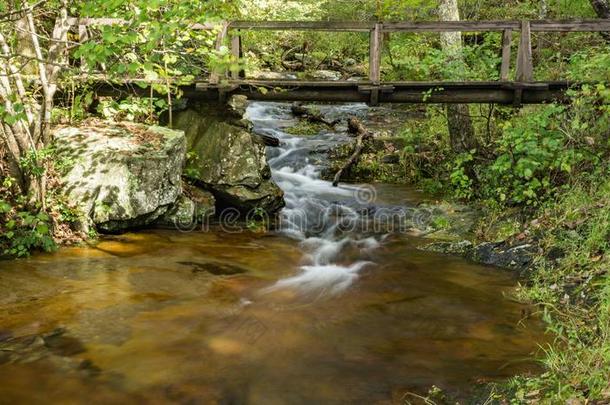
(599,25)
(524,67)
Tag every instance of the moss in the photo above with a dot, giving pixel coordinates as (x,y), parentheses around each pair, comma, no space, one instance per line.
(306,128)
(370,167)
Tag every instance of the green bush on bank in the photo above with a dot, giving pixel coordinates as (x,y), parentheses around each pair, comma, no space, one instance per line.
(22,229)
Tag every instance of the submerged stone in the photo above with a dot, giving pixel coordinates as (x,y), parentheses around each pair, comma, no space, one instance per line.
(215,268)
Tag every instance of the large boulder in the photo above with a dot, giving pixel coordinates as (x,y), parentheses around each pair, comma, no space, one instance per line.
(226,158)
(123,175)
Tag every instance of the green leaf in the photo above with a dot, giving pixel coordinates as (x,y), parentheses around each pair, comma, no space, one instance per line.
(42,229)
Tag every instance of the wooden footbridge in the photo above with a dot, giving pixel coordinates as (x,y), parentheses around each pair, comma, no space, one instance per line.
(521,89)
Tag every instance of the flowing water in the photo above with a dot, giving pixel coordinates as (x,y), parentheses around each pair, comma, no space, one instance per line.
(328,309)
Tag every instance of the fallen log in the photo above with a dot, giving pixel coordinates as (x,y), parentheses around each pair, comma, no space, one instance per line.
(354,126)
(299,110)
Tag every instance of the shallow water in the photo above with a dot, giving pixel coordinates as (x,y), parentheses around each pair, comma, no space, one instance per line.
(306,314)
(155,317)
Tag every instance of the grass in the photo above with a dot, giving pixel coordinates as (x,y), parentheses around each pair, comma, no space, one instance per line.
(570,285)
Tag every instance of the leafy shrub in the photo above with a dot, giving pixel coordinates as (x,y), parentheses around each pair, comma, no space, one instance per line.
(459,179)
(533,155)
(22,231)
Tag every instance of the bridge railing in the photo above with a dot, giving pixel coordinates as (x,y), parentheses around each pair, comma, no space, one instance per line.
(231,33)
(376,30)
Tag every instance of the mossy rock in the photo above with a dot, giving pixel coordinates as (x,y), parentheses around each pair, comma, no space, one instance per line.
(306,128)
(225,158)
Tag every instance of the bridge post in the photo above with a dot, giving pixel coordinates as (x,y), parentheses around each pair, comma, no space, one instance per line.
(525,65)
(375,62)
(237,52)
(83,36)
(507,38)
(220,40)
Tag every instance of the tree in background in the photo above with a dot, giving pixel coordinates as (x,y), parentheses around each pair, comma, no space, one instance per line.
(461,130)
(28,46)
(601,7)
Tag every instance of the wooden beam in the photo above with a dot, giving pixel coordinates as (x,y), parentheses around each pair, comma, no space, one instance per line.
(375,54)
(236,51)
(353,26)
(599,25)
(507,38)
(400,92)
(83,36)
(525,66)
(220,41)
(376,37)
(570,26)
(450,26)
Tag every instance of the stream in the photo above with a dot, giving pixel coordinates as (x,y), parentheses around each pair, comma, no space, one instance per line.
(336,306)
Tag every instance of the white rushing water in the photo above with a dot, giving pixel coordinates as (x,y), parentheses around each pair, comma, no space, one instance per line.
(325,219)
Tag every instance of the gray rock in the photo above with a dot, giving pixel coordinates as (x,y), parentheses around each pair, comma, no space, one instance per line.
(123,176)
(272,75)
(499,254)
(518,257)
(455,248)
(189,210)
(326,75)
(225,158)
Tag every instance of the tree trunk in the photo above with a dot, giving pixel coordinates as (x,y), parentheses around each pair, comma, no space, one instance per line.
(25,136)
(459,123)
(23,45)
(602,9)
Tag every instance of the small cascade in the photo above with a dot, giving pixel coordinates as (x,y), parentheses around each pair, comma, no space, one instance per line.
(327,220)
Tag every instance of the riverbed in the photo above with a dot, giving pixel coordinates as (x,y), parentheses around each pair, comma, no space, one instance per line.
(311,312)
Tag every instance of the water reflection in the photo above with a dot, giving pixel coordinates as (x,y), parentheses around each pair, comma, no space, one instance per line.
(150,314)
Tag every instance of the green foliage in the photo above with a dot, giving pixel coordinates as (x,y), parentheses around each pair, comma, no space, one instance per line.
(23,231)
(533,153)
(572,287)
(34,161)
(257,220)
(420,57)
(141,110)
(191,169)
(459,179)
(155,44)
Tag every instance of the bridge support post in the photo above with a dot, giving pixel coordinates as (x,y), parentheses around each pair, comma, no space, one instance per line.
(83,36)
(375,62)
(525,64)
(237,52)
(220,40)
(507,38)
